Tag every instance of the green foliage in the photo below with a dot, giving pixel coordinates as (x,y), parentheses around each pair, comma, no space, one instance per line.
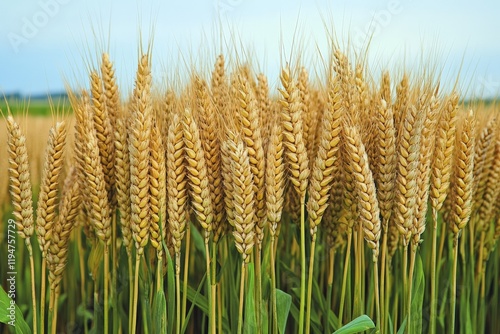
(358,325)
(14,320)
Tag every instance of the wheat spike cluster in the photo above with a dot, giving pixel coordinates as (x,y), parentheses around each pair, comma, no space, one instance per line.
(204,176)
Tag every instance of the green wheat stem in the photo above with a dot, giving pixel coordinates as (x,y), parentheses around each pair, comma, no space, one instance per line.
(50,327)
(328,305)
(344,277)
(273,284)
(212,322)
(383,257)
(81,257)
(309,285)
(114,294)
(410,283)
(106,289)
(33,288)
(387,290)
(433,301)
(302,264)
(131,290)
(242,294)
(405,277)
(454,284)
(135,300)
(178,292)
(258,288)
(42,295)
(213,286)
(377,292)
(186,274)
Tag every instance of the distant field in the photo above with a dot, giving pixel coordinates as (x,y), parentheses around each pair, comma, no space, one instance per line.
(36,107)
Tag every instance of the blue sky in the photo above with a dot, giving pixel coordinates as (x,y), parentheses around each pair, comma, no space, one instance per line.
(44,42)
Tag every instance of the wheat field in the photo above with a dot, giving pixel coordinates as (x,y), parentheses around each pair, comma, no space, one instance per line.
(335,202)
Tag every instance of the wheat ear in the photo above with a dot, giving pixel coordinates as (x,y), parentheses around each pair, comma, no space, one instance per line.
(20,184)
(196,168)
(158,191)
(406,177)
(484,150)
(365,189)
(265,112)
(112,100)
(122,184)
(249,117)
(324,164)
(424,166)
(103,130)
(211,147)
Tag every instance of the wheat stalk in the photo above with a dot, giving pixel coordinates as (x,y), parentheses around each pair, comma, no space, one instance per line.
(46,207)
(369,212)
(297,161)
(275,186)
(21,194)
(139,152)
(196,168)
(244,209)
(440,181)
(384,172)
(461,193)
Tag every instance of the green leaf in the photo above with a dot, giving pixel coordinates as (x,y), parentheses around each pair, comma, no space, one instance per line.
(6,317)
(171,293)
(250,319)
(402,329)
(358,325)
(283,303)
(417,300)
(196,299)
(197,239)
(159,310)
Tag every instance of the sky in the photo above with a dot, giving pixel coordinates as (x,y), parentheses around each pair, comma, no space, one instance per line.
(45,43)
